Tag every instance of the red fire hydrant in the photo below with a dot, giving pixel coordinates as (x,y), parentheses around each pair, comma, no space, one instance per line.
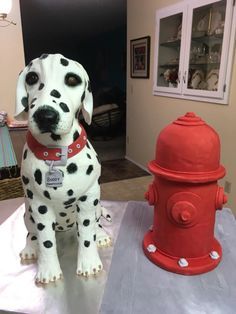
(185,195)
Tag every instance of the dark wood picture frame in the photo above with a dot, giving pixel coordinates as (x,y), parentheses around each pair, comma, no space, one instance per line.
(140,57)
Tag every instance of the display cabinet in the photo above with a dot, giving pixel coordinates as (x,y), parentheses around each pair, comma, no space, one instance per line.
(194,46)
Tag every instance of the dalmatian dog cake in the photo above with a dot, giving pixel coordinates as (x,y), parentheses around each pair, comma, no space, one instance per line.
(60,169)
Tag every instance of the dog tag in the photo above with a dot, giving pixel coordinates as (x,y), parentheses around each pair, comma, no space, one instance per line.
(54,178)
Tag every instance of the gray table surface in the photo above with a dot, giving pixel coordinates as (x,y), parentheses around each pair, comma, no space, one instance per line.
(136,286)
(132,284)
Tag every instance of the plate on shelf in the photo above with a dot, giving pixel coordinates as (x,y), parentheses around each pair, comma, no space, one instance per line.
(212,80)
(197,79)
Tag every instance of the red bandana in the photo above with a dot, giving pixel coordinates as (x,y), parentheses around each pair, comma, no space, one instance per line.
(54,153)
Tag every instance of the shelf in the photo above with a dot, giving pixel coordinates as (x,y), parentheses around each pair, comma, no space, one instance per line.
(206,64)
(207,38)
(169,65)
(171,44)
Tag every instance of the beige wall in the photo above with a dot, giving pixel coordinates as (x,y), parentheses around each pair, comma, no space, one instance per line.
(11,59)
(148,114)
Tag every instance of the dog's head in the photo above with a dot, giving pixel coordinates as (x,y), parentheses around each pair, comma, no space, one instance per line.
(51,91)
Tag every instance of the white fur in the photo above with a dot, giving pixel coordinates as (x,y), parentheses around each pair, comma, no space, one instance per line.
(43,208)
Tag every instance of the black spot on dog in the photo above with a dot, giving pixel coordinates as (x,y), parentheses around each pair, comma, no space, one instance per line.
(71,168)
(55,137)
(29,194)
(26,109)
(78,234)
(34,238)
(53,226)
(89,170)
(33,100)
(25,180)
(68,206)
(95,202)
(25,154)
(75,136)
(86,243)
(77,208)
(38,176)
(55,188)
(71,225)
(67,221)
(47,195)
(41,86)
(94,237)
(89,157)
(64,107)
(99,180)
(55,93)
(83,198)
(62,214)
(86,222)
(77,114)
(25,102)
(64,62)
(89,87)
(30,64)
(40,226)
(48,244)
(70,201)
(43,56)
(42,209)
(83,96)
(32,219)
(70,192)
(60,228)
(32,106)
(87,144)
(30,209)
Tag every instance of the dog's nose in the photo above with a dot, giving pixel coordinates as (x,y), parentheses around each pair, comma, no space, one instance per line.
(46,118)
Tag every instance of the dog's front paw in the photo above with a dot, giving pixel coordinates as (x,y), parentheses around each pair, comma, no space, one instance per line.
(48,273)
(89,264)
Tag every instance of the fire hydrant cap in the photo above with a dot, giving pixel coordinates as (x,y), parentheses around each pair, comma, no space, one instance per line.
(188,150)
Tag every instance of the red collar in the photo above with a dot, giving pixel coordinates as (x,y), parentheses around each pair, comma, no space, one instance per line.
(54,153)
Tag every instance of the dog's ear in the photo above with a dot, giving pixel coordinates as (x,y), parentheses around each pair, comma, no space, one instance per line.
(87,97)
(22,105)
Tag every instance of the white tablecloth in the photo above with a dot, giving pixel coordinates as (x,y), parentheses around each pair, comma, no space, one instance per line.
(132,284)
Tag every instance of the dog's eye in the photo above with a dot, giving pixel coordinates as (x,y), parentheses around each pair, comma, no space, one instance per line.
(31,78)
(72,79)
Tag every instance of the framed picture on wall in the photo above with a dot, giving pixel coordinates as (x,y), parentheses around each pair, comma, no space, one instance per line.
(140,57)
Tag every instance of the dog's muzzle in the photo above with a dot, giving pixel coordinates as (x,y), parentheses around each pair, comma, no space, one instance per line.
(46,119)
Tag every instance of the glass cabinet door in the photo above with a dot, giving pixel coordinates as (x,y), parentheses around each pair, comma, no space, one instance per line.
(205,52)
(168,61)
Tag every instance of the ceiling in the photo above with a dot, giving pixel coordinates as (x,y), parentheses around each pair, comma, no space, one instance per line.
(83,18)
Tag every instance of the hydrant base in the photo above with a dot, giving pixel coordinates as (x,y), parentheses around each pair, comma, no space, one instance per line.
(193,266)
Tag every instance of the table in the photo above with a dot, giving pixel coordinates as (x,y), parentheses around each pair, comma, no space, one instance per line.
(130,283)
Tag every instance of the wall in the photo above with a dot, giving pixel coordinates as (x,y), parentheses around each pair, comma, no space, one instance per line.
(11,59)
(148,114)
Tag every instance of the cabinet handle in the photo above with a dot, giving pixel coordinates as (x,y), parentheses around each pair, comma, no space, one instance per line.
(179,75)
(184,77)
